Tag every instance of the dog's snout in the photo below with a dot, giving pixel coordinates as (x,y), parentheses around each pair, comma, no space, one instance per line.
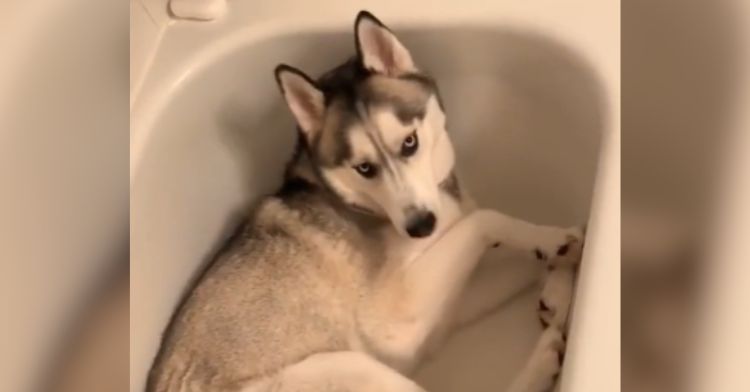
(421,224)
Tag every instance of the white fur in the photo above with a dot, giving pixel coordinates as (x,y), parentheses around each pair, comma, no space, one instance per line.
(416,181)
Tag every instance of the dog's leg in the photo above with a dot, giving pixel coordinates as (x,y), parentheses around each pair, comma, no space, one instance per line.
(345,371)
(557,296)
(544,242)
(543,367)
(557,293)
(541,372)
(410,301)
(493,283)
(453,258)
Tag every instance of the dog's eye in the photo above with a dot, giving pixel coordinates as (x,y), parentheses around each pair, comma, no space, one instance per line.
(366,170)
(410,145)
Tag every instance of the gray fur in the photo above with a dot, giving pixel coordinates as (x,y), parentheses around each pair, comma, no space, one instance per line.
(266,302)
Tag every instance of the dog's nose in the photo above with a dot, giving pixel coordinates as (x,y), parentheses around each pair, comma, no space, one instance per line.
(421,225)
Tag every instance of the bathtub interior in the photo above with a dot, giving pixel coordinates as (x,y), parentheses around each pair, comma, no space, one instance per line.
(525,114)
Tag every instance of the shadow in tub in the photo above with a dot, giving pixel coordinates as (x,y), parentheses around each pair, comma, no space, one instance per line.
(246,137)
(526,117)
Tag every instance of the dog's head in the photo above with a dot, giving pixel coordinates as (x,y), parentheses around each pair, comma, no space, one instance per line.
(375,131)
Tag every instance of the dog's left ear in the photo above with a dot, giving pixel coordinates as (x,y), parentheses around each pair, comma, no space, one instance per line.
(378,48)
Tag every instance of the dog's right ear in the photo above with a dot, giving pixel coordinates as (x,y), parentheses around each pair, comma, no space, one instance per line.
(378,48)
(303,97)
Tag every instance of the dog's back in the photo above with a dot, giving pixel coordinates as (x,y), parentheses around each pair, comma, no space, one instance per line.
(286,288)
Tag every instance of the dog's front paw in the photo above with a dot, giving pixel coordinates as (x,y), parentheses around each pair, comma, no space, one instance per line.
(557,296)
(543,367)
(561,245)
(546,360)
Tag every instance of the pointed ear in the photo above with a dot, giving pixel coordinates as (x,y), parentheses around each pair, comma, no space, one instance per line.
(378,48)
(303,97)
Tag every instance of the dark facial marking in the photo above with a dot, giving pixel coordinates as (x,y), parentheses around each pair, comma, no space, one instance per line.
(406,97)
(331,147)
(359,208)
(339,89)
(451,186)
(350,83)
(428,83)
(407,113)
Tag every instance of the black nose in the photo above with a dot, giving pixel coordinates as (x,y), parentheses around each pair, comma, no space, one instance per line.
(421,225)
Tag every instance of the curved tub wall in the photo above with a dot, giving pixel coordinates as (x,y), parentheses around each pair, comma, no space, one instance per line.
(210,135)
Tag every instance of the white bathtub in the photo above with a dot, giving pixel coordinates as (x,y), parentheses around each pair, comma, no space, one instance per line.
(532,94)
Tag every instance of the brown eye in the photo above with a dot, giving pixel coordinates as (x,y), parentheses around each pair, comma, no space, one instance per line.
(366,170)
(410,145)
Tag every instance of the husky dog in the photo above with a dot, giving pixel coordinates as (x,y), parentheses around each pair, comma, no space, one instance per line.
(348,276)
